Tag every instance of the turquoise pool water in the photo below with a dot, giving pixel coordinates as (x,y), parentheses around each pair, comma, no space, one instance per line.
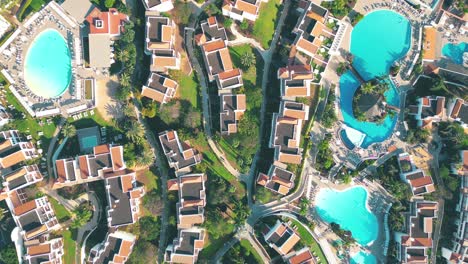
(348,209)
(374,132)
(89,142)
(455,51)
(377,41)
(363,258)
(47,68)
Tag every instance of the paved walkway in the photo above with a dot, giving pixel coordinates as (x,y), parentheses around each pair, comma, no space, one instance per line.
(241,39)
(90,226)
(50,166)
(68,204)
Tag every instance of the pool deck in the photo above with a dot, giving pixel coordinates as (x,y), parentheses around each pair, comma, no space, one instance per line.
(13,54)
(378,201)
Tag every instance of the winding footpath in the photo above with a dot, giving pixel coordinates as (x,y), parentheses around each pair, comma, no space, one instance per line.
(51,148)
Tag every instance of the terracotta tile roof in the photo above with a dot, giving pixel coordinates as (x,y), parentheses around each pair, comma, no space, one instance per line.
(423,181)
(214,45)
(38,249)
(117,158)
(301,258)
(61,173)
(5,144)
(229,74)
(159,61)
(152,94)
(246,7)
(456,108)
(127,182)
(429,43)
(290,158)
(125,248)
(83,164)
(212,21)
(226,59)
(26,207)
(307,46)
(105,22)
(290,243)
(101,149)
(13,159)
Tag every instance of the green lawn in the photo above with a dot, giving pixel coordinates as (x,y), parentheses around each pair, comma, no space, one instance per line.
(241,146)
(248,247)
(307,238)
(69,247)
(188,87)
(61,212)
(28,125)
(264,26)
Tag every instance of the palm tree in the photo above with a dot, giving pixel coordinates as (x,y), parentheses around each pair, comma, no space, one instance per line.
(69,130)
(125,80)
(123,55)
(247,59)
(367,88)
(146,158)
(128,110)
(135,131)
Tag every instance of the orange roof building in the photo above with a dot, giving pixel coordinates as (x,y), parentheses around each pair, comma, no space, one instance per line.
(278,179)
(428,110)
(110,22)
(105,161)
(241,9)
(179,154)
(34,218)
(50,251)
(160,43)
(116,248)
(159,88)
(124,199)
(295,80)
(216,56)
(186,247)
(281,237)
(192,199)
(286,131)
(419,182)
(22,177)
(459,112)
(303,256)
(232,109)
(413,245)
(13,150)
(311,32)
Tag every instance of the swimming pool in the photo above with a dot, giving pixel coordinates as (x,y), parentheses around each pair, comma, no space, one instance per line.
(455,51)
(88,143)
(363,258)
(375,132)
(377,41)
(47,67)
(348,208)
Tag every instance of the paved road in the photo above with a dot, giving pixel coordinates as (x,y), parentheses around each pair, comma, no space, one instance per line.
(189,44)
(267,58)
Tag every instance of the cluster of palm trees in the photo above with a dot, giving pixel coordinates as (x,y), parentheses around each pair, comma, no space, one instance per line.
(135,133)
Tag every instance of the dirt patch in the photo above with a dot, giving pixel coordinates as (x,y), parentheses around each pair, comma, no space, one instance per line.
(106,104)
